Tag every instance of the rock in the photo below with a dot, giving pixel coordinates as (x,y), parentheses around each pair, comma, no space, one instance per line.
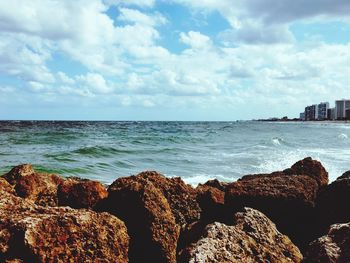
(287,200)
(332,203)
(345,175)
(80,193)
(5,186)
(251,238)
(332,247)
(309,167)
(52,190)
(148,217)
(32,233)
(180,196)
(18,172)
(211,201)
(216,184)
(41,188)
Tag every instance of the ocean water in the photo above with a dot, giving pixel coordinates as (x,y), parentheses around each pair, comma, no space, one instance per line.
(196,151)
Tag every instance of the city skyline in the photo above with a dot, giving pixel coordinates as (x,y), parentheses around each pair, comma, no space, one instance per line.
(170,60)
(323,111)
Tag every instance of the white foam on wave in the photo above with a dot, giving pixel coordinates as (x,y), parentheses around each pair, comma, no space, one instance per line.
(342,136)
(276,141)
(202,178)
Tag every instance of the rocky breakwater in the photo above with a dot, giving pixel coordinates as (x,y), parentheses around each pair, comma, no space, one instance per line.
(277,217)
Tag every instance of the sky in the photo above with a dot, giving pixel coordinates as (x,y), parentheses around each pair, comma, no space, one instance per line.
(214,60)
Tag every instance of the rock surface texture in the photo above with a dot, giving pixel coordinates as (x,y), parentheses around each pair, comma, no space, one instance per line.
(148,217)
(334,247)
(52,190)
(332,202)
(180,196)
(251,238)
(80,193)
(33,233)
(287,199)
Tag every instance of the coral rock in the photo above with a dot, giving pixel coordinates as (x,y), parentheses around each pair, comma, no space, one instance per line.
(148,217)
(181,197)
(45,234)
(332,247)
(332,203)
(80,193)
(311,168)
(251,238)
(18,172)
(287,200)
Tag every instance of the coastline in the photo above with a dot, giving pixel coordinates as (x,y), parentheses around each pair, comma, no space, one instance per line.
(149,217)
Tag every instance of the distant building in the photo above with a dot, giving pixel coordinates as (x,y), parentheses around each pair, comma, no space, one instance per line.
(340,108)
(322,111)
(302,116)
(310,113)
(347,114)
(331,114)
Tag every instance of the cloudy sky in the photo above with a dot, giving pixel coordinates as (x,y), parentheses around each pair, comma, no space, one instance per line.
(171,60)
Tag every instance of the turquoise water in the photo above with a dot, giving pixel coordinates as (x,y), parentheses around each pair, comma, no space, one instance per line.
(196,151)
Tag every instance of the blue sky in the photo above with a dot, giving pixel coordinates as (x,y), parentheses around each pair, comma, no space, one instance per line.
(171,60)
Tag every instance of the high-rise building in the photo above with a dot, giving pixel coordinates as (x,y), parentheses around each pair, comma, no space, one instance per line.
(302,116)
(347,114)
(331,114)
(322,110)
(310,113)
(340,108)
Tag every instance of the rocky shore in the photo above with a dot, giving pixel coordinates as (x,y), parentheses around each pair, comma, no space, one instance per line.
(293,215)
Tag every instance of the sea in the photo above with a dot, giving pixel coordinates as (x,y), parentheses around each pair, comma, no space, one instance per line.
(195,151)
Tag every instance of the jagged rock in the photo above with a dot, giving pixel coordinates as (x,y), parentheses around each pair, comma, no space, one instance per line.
(345,175)
(287,200)
(216,184)
(18,172)
(34,233)
(5,186)
(181,197)
(148,217)
(332,203)
(309,167)
(41,188)
(251,238)
(80,193)
(52,190)
(334,247)
(211,201)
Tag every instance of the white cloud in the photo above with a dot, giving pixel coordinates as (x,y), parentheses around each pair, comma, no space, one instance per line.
(95,83)
(195,40)
(140,3)
(135,16)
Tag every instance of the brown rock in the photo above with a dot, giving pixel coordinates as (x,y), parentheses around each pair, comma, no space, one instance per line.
(80,193)
(334,247)
(148,217)
(332,203)
(211,201)
(180,196)
(309,167)
(5,186)
(40,234)
(251,238)
(345,175)
(287,200)
(41,188)
(216,184)
(18,172)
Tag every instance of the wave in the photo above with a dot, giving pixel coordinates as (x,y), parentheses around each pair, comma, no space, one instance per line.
(101,151)
(342,136)
(202,178)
